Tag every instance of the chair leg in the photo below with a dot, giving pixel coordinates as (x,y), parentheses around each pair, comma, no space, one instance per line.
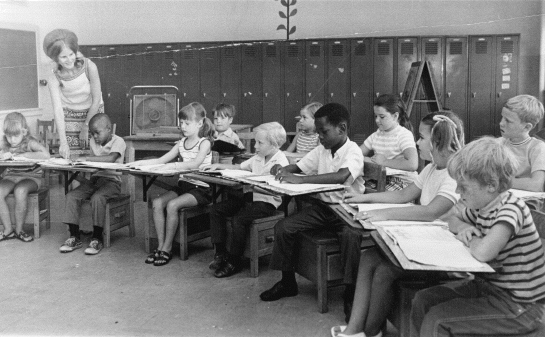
(183,235)
(106,229)
(147,229)
(34,205)
(322,280)
(254,252)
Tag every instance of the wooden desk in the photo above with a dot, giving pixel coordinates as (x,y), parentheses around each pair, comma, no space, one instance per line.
(215,181)
(70,172)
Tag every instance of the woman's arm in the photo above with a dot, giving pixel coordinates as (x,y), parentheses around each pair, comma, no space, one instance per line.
(58,115)
(291,148)
(96,95)
(407,161)
(38,151)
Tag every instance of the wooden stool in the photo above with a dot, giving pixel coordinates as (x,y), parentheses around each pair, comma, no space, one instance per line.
(183,235)
(260,239)
(37,211)
(117,216)
(318,259)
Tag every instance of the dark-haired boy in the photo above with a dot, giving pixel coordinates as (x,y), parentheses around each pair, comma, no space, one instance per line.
(337,160)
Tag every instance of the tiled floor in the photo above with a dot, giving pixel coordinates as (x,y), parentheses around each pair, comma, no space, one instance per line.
(47,293)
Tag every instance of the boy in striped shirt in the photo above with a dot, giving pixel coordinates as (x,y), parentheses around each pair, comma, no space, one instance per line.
(496,226)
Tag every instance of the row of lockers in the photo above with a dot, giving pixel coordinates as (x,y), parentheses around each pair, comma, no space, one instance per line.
(272,80)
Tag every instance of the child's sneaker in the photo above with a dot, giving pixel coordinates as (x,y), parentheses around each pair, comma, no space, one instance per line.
(70,245)
(95,246)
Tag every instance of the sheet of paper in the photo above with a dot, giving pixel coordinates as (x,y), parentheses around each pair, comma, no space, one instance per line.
(433,246)
(109,166)
(58,162)
(235,173)
(527,194)
(301,187)
(263,179)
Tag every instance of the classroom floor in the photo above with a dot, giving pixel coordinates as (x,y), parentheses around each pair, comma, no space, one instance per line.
(46,293)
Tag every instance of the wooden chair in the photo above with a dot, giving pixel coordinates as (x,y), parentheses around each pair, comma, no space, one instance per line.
(247,138)
(37,211)
(375,172)
(259,240)
(46,134)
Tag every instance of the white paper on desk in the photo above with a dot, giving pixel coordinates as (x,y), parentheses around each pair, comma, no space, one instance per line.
(58,162)
(300,187)
(102,165)
(235,173)
(25,159)
(527,194)
(263,179)
(432,245)
(194,181)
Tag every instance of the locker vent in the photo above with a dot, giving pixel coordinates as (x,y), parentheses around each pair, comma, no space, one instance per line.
(94,53)
(432,48)
(337,50)
(229,52)
(209,53)
(407,48)
(169,55)
(383,49)
(481,47)
(507,47)
(250,51)
(112,52)
(360,50)
(189,54)
(456,48)
(132,55)
(293,51)
(315,51)
(270,51)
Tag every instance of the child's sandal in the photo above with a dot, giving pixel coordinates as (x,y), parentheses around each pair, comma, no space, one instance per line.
(151,258)
(24,237)
(7,237)
(162,258)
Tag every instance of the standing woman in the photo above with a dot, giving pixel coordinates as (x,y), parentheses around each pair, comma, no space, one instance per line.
(75,90)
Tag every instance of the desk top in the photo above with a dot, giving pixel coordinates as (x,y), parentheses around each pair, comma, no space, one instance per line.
(70,168)
(17,163)
(213,179)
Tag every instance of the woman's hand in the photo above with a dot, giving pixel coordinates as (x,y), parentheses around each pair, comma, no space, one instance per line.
(64,150)
(466,234)
(370,216)
(354,198)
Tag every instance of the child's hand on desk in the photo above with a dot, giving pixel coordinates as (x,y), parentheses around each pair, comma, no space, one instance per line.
(212,167)
(354,198)
(7,155)
(370,216)
(288,177)
(466,234)
(277,168)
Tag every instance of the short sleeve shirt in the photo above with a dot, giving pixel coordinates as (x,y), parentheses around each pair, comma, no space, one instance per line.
(434,182)
(320,161)
(230,137)
(391,143)
(115,145)
(257,165)
(530,155)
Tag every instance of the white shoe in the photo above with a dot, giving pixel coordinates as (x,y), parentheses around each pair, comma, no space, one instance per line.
(337,331)
(95,246)
(70,245)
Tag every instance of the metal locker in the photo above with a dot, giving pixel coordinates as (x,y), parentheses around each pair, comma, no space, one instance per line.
(294,75)
(361,90)
(383,70)
(190,82)
(456,70)
(407,53)
(230,77)
(132,67)
(432,51)
(251,84)
(314,71)
(209,65)
(114,94)
(338,72)
(273,79)
(506,73)
(151,65)
(170,64)
(94,53)
(481,86)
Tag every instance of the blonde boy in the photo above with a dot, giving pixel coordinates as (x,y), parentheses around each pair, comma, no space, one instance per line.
(520,115)
(496,226)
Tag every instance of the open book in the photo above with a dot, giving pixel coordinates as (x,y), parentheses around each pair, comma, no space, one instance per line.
(355,208)
(91,164)
(270,180)
(228,173)
(525,195)
(157,168)
(432,245)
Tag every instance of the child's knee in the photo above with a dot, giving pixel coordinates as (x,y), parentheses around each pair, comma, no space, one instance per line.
(173,207)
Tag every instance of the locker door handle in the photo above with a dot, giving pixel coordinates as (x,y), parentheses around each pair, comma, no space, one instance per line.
(203,94)
(184,94)
(354,94)
(309,94)
(224,94)
(378,94)
(474,95)
(401,94)
(108,95)
(331,94)
(499,94)
(266,94)
(449,94)
(288,94)
(245,94)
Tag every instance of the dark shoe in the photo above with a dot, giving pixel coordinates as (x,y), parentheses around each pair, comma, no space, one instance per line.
(227,268)
(24,237)
(151,258)
(219,258)
(278,291)
(162,258)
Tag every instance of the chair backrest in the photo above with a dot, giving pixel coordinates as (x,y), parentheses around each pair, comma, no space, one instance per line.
(47,135)
(539,221)
(215,157)
(375,172)
(113,128)
(246,138)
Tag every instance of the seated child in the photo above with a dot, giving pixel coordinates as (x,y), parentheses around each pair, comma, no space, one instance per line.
(393,143)
(441,135)
(336,161)
(18,142)
(269,138)
(223,118)
(104,184)
(306,138)
(194,150)
(496,226)
(520,115)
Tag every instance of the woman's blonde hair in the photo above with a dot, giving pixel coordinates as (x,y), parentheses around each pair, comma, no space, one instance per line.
(485,160)
(275,133)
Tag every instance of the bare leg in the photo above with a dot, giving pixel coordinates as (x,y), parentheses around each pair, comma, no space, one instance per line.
(173,206)
(159,205)
(6,186)
(21,191)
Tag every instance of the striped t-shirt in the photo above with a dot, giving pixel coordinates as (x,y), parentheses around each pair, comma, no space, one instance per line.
(522,273)
(391,143)
(191,154)
(306,142)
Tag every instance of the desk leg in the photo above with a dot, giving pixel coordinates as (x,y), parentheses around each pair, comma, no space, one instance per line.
(131,180)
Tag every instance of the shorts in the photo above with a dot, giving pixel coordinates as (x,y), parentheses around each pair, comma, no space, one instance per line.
(15,178)
(203,195)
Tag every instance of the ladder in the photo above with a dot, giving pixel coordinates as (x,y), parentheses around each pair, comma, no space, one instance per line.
(420,76)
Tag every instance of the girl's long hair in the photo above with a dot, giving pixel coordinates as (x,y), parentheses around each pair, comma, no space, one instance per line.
(393,104)
(14,123)
(195,111)
(56,40)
